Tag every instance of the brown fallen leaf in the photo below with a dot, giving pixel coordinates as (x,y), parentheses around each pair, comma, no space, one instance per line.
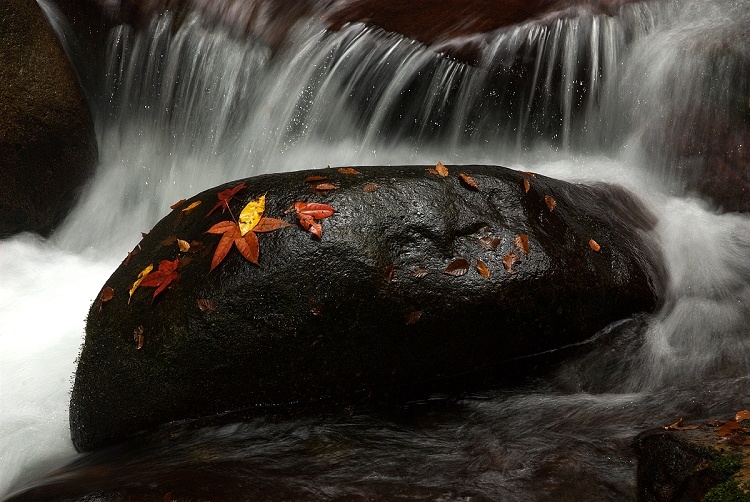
(206,306)
(529,174)
(419,272)
(508,261)
(728,429)
(439,170)
(526,186)
(389,275)
(742,415)
(370,188)
(138,337)
(131,254)
(324,187)
(316,306)
(522,243)
(594,245)
(457,267)
(489,243)
(107,294)
(413,317)
(315,179)
(184,262)
(468,181)
(551,203)
(678,426)
(169,240)
(144,235)
(482,269)
(196,246)
(177,204)
(348,170)
(740,440)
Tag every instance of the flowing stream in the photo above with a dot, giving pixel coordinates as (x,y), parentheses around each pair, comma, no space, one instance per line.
(182,108)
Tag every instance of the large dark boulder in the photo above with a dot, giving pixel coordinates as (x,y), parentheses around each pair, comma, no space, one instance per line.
(350,315)
(47,140)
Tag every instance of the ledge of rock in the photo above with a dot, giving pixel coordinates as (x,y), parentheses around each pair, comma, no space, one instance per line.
(368,309)
(707,461)
(47,141)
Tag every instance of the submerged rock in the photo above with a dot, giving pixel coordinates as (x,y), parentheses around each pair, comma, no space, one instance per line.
(47,140)
(391,301)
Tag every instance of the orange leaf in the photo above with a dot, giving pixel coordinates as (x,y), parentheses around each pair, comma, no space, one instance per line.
(508,261)
(526,185)
(482,269)
(551,203)
(370,188)
(529,174)
(308,212)
(469,181)
(522,243)
(309,224)
(230,233)
(315,179)
(594,245)
(177,204)
(441,170)
(270,224)
(248,247)
(348,170)
(314,209)
(163,277)
(728,429)
(457,267)
(225,196)
(222,227)
(742,415)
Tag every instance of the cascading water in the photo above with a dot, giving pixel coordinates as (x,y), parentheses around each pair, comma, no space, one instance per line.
(189,107)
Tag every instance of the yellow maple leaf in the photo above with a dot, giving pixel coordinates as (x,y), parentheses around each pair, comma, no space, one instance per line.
(251,214)
(140,278)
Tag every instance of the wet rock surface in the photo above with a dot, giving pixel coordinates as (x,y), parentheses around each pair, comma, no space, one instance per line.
(367,311)
(47,140)
(697,461)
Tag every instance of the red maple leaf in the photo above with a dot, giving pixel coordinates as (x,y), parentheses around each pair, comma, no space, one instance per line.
(308,212)
(165,275)
(247,245)
(225,196)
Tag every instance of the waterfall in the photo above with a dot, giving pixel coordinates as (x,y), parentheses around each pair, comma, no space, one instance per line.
(188,104)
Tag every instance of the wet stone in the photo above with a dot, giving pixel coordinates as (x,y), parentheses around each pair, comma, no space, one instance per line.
(314,325)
